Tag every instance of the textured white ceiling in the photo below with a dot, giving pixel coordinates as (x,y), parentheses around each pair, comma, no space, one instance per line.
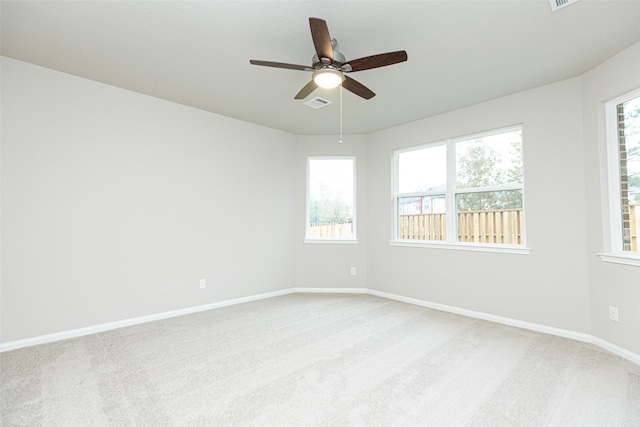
(197,53)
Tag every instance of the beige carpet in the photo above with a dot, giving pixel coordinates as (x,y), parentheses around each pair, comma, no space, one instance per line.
(319,360)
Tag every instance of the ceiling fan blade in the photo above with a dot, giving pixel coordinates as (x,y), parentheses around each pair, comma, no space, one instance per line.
(281,65)
(357,88)
(376,61)
(306,90)
(321,38)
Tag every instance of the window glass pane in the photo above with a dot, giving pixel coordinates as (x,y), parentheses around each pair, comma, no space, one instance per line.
(628,114)
(490,217)
(422,218)
(490,160)
(483,204)
(331,198)
(423,170)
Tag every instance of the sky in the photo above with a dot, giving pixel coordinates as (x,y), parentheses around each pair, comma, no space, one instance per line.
(327,178)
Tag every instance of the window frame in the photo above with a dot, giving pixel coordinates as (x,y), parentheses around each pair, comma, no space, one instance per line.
(612,227)
(335,240)
(451,192)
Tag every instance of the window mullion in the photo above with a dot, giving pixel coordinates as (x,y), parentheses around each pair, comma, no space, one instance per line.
(395,189)
(421,194)
(489,189)
(452,222)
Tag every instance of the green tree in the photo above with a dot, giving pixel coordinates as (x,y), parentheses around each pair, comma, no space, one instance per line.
(328,207)
(328,210)
(479,166)
(476,166)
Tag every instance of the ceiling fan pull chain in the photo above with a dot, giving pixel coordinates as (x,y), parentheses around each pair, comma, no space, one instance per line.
(340,112)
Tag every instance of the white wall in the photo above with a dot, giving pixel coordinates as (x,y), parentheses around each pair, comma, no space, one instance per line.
(328,265)
(115,204)
(610,284)
(549,286)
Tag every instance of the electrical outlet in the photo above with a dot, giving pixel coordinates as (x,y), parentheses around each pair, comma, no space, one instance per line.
(203,283)
(613,313)
(353,271)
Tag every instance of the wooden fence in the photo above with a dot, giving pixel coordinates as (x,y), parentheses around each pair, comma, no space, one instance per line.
(497,226)
(331,229)
(422,227)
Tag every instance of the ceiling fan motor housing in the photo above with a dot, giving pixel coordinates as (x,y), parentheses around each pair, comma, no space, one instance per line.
(338,58)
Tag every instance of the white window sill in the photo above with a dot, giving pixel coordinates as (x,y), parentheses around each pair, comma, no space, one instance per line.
(621,259)
(505,249)
(333,241)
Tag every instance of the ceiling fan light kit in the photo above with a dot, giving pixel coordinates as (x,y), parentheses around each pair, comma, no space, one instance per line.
(327,78)
(329,65)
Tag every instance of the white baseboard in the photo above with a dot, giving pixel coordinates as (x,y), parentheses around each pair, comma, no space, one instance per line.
(490,317)
(74,333)
(578,336)
(331,290)
(622,352)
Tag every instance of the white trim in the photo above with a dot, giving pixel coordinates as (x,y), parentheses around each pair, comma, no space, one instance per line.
(489,132)
(334,241)
(79,332)
(578,336)
(621,259)
(613,241)
(419,147)
(489,189)
(451,213)
(485,316)
(622,352)
(505,249)
(331,290)
(613,180)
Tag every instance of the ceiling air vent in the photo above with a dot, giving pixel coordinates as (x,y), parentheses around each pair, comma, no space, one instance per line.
(557,4)
(317,102)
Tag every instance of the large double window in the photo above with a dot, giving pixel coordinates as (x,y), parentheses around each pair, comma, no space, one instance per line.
(466,191)
(623,156)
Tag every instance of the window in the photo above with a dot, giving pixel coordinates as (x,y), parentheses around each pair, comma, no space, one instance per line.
(623,158)
(331,199)
(465,191)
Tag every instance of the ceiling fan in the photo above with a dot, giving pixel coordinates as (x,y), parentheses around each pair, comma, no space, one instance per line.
(329,65)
